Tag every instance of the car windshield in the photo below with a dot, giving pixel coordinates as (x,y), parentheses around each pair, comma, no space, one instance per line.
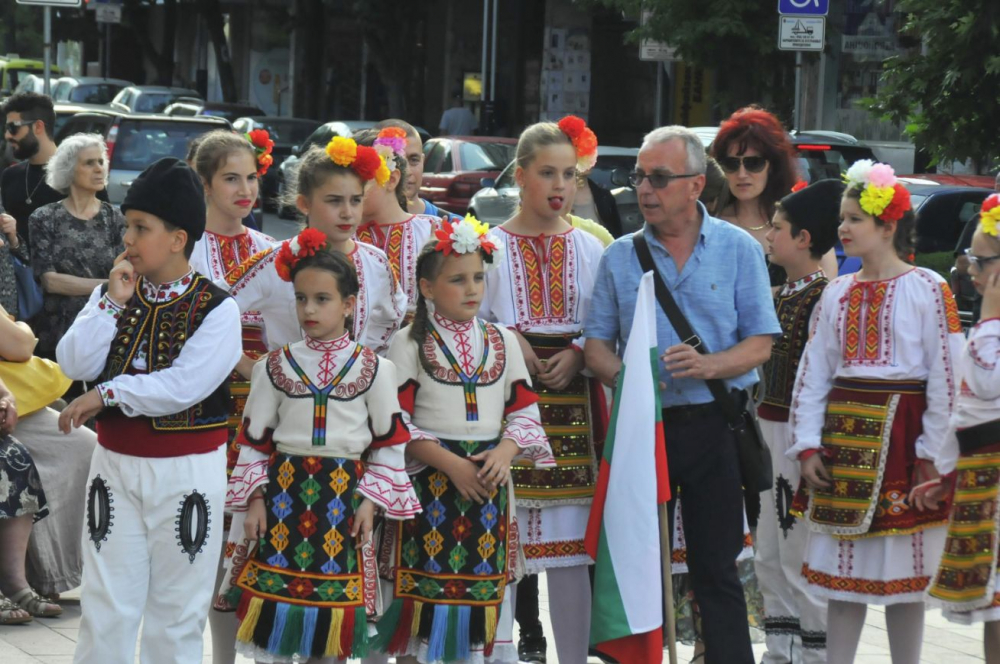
(142,142)
(486,156)
(601,174)
(93,93)
(829,161)
(506,179)
(916,200)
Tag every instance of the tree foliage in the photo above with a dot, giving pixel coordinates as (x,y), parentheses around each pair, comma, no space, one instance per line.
(947,92)
(737,38)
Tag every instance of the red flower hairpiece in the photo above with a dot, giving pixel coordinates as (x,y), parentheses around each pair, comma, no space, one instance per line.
(306,243)
(584,141)
(899,204)
(799,186)
(262,147)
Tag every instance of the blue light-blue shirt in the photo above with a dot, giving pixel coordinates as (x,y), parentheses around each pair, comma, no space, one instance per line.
(723,291)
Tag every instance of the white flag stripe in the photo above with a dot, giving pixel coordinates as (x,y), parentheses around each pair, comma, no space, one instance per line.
(630,509)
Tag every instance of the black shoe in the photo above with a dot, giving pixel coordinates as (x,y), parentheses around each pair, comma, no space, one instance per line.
(593,652)
(532,649)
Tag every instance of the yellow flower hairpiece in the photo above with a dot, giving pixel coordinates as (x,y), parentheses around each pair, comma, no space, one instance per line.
(989,215)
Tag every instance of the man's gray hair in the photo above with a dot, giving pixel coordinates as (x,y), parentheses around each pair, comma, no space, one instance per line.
(695,148)
(62,166)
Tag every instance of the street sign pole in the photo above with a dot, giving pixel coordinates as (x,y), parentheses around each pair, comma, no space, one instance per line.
(797,113)
(801,27)
(47,39)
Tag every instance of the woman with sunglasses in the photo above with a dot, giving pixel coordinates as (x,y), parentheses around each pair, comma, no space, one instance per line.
(754,151)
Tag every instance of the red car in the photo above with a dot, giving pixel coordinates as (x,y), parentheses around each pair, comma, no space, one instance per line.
(454,166)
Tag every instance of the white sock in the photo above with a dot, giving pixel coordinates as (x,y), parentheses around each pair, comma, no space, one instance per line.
(569,609)
(845,620)
(905,623)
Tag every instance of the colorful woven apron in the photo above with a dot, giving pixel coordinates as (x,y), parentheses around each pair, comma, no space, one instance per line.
(450,568)
(567,419)
(307,591)
(967,576)
(869,441)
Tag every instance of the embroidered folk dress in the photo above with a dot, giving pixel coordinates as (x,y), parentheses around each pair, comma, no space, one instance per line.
(322,430)
(543,289)
(450,566)
(401,243)
(378,313)
(874,392)
(219,257)
(965,585)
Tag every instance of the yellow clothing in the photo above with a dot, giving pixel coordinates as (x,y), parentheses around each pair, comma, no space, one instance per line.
(594,228)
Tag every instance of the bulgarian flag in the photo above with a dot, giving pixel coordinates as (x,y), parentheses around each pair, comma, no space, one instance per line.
(623,533)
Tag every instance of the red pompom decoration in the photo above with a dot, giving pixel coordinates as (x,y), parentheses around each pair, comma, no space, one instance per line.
(572,126)
(900,203)
(799,186)
(991,202)
(310,241)
(366,162)
(260,138)
(284,261)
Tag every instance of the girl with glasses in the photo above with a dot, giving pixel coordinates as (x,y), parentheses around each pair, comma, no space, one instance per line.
(965,582)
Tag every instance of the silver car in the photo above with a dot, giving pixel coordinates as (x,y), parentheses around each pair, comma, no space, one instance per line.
(498,200)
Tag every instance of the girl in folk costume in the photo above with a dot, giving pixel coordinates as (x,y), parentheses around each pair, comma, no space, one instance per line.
(869,415)
(542,294)
(450,567)
(387,225)
(328,190)
(965,585)
(315,409)
(230,166)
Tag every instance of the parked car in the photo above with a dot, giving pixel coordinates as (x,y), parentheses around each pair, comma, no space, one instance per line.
(498,199)
(287,133)
(149,98)
(985,181)
(137,140)
(12,69)
(455,165)
(95,124)
(32,83)
(87,89)
(190,107)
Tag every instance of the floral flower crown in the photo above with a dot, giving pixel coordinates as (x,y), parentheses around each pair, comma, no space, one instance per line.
(466,236)
(882,195)
(989,215)
(306,243)
(391,143)
(366,161)
(584,141)
(262,146)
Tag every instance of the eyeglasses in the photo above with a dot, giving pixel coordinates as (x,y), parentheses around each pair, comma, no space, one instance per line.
(656,180)
(979,263)
(753,164)
(12,127)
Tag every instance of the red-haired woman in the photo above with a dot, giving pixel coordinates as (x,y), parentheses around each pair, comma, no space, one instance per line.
(757,157)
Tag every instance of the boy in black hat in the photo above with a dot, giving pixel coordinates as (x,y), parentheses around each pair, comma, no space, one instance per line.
(157,343)
(804,228)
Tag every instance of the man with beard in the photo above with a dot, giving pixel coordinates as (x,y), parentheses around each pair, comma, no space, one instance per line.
(30,122)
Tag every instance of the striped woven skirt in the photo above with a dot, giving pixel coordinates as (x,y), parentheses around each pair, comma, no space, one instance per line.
(553,504)
(966,582)
(307,591)
(449,569)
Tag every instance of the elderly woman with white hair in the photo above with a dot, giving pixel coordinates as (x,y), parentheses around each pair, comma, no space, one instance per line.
(75,241)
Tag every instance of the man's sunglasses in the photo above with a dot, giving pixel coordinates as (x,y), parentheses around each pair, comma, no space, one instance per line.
(751,164)
(12,127)
(656,180)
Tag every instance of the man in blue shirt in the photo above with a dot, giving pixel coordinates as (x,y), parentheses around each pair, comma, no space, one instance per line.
(716,273)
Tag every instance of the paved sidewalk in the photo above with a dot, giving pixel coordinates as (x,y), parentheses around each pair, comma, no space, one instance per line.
(52,640)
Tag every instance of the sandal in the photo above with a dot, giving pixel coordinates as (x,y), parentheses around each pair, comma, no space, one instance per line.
(8,610)
(36,605)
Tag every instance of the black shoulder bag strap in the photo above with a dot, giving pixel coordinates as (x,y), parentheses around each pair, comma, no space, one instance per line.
(730,409)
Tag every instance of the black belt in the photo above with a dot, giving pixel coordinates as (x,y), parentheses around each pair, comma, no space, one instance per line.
(978,436)
(680,414)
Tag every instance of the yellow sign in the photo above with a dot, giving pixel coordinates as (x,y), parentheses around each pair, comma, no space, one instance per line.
(692,95)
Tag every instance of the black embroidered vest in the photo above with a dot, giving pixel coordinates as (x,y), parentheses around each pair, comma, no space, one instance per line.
(162,328)
(779,372)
